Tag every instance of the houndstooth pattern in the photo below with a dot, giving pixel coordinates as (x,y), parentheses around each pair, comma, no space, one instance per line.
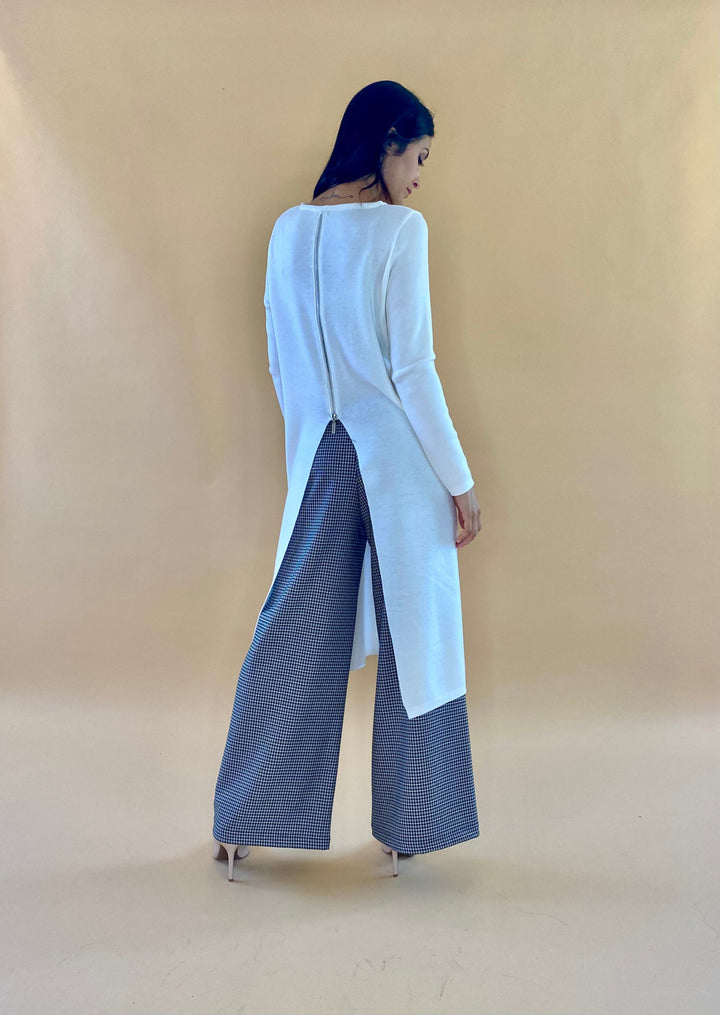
(277,777)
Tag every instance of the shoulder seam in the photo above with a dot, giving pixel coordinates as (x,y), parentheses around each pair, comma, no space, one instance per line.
(412,212)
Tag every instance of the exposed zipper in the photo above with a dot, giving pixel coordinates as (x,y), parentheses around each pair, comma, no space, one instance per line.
(329,386)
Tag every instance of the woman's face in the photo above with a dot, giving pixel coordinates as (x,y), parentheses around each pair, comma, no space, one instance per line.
(402,172)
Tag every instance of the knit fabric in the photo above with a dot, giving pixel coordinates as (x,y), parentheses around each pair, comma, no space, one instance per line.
(349,332)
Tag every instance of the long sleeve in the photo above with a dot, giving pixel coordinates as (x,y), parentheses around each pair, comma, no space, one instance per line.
(412,356)
(274,365)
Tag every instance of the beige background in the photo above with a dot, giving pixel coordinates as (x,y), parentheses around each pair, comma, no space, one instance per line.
(572,201)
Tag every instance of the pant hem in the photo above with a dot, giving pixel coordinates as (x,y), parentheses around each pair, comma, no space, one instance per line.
(278,842)
(407,846)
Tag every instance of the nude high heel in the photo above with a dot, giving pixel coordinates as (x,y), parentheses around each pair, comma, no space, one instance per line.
(221,850)
(393,852)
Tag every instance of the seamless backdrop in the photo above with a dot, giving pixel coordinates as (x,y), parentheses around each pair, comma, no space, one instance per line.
(146,149)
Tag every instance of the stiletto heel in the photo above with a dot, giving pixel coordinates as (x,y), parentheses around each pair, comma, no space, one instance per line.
(231,851)
(393,852)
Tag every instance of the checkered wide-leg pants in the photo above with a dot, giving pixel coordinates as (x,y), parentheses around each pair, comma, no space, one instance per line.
(278,772)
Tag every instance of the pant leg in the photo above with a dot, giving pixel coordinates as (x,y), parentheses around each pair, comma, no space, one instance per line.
(423,791)
(279,768)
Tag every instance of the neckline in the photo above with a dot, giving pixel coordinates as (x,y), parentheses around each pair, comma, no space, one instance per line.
(348,204)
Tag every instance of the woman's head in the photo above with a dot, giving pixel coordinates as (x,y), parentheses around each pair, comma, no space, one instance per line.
(385,135)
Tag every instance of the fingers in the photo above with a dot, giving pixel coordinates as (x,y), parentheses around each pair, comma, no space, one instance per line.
(468,532)
(468,513)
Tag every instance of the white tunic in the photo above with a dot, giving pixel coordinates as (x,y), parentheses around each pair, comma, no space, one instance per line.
(349,330)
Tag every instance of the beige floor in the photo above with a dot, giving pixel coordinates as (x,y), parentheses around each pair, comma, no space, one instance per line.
(592,889)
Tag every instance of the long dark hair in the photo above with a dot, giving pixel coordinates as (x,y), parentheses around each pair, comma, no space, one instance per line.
(381,117)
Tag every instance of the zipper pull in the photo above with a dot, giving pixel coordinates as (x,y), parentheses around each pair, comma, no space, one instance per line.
(334,417)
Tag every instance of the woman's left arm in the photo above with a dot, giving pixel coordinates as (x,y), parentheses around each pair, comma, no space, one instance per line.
(274,364)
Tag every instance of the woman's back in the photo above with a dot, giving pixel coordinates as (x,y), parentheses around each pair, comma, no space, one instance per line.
(325,294)
(349,325)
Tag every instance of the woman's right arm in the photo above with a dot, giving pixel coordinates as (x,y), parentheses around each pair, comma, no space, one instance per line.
(412,359)
(412,356)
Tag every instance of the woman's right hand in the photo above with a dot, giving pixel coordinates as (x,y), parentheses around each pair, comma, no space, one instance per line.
(468,512)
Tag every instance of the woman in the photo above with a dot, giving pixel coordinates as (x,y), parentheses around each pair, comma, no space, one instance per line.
(377,481)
